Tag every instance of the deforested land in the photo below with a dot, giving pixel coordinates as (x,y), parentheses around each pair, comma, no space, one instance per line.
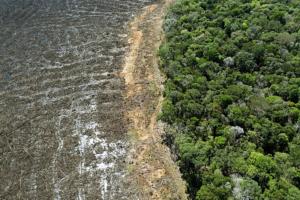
(80,90)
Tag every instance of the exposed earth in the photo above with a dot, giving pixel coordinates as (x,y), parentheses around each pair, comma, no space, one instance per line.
(152,168)
(80,90)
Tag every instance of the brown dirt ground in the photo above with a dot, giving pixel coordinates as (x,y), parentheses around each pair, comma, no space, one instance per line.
(151,168)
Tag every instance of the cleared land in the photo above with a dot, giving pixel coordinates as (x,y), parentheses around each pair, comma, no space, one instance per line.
(152,171)
(70,126)
(61,104)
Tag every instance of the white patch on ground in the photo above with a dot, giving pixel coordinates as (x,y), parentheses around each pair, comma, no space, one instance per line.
(105,153)
(56,182)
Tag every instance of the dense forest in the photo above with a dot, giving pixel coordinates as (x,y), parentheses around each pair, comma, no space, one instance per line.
(232,97)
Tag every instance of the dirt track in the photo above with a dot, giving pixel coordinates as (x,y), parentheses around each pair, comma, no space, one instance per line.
(152,169)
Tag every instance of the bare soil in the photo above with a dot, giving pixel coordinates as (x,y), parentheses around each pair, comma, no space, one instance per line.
(152,171)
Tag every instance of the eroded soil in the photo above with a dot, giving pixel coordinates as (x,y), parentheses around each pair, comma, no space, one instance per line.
(152,169)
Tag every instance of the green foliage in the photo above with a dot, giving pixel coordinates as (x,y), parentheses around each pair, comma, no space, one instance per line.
(245,61)
(294,148)
(232,91)
(217,187)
